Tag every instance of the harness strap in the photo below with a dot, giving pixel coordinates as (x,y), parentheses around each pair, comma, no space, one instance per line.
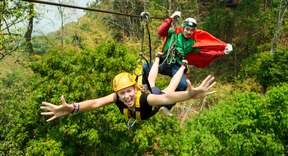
(138,113)
(138,77)
(138,73)
(127,112)
(170,54)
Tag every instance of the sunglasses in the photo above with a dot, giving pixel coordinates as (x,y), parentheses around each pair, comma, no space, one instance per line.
(189,29)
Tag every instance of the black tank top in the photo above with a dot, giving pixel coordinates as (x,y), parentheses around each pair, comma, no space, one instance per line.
(146,110)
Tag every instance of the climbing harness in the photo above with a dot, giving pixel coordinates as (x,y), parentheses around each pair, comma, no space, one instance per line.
(170,55)
(171,52)
(128,113)
(131,123)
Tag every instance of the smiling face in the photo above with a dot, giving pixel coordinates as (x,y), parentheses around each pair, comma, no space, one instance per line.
(188,32)
(127,96)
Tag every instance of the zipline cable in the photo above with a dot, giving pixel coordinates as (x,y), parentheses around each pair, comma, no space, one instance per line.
(89,9)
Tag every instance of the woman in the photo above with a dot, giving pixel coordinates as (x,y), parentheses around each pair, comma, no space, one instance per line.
(131,100)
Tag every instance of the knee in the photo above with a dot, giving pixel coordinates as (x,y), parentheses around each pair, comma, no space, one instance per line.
(145,72)
(146,68)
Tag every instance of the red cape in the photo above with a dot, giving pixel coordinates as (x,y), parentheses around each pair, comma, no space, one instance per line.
(210,47)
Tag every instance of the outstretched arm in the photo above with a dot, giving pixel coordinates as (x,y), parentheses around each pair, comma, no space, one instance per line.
(57,111)
(172,97)
(164,27)
(154,70)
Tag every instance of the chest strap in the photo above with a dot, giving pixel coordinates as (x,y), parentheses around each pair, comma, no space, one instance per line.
(127,112)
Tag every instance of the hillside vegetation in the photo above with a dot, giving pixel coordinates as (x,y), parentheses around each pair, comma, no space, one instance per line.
(248,114)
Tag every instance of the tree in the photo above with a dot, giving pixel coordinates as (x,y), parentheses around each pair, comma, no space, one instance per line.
(129,26)
(64,14)
(283,6)
(13,12)
(28,34)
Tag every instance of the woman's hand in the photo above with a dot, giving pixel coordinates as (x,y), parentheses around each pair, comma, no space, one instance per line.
(203,89)
(56,110)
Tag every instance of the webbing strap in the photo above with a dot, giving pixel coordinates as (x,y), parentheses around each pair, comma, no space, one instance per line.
(138,74)
(126,111)
(138,114)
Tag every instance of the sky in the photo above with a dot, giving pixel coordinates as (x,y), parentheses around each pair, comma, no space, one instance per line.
(49,18)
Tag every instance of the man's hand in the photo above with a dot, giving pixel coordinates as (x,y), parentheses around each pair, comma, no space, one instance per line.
(228,48)
(145,14)
(176,14)
(159,54)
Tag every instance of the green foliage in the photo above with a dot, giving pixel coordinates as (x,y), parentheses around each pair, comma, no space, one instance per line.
(240,126)
(266,68)
(273,68)
(278,106)
(44,147)
(12,92)
(158,136)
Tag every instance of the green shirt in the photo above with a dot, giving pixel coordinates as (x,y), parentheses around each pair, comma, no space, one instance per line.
(181,44)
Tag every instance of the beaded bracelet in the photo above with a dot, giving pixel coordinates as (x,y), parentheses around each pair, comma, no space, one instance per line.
(76,107)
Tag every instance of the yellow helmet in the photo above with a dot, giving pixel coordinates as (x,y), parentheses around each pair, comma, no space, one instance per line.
(122,81)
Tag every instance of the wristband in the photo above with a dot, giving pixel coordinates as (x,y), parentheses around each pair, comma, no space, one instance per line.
(76,107)
(184,65)
(159,54)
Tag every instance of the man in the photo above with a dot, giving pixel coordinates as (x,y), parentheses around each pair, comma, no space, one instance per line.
(198,47)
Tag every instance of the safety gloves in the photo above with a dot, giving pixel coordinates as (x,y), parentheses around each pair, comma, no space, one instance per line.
(145,14)
(228,48)
(176,14)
